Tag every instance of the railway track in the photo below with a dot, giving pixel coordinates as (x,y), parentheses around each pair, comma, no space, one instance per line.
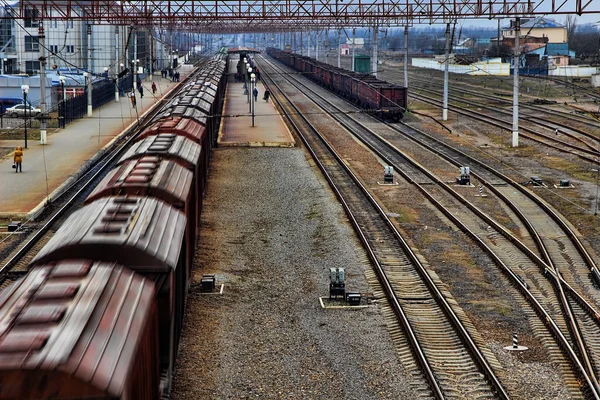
(579,141)
(587,314)
(449,358)
(17,258)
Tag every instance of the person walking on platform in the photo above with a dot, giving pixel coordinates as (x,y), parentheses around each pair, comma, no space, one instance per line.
(141,90)
(255,93)
(266,96)
(133,102)
(18,159)
(153,88)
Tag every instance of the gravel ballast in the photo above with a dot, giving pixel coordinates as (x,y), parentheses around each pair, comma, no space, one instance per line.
(271,229)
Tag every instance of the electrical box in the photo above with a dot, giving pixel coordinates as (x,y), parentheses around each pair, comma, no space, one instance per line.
(353,298)
(208,283)
(565,183)
(388,174)
(537,181)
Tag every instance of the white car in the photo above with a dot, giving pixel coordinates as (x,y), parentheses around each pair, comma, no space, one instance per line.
(20,109)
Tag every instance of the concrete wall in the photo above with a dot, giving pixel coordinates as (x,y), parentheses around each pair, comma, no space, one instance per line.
(479,68)
(573,71)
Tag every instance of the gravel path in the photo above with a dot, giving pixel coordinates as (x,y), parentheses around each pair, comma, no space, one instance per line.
(271,241)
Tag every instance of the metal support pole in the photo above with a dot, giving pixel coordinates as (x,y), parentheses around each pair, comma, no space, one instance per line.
(515,125)
(339,48)
(446,60)
(375,50)
(117,63)
(406,56)
(151,37)
(353,49)
(25,89)
(253,80)
(89,82)
(135,61)
(317,34)
(41,37)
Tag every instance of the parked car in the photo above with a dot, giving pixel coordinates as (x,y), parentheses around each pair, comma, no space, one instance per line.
(20,109)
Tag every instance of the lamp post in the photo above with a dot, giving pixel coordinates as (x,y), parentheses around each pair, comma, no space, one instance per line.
(25,89)
(135,72)
(249,90)
(253,80)
(61,116)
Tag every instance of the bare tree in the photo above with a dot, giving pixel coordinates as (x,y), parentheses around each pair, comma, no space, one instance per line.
(571,24)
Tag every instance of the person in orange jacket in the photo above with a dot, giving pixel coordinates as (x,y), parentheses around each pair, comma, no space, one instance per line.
(18,159)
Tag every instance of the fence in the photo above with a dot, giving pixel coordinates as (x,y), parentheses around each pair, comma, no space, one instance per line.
(102,92)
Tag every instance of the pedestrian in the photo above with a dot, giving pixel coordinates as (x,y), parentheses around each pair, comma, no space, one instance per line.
(556,131)
(139,82)
(18,159)
(178,76)
(153,88)
(133,102)
(255,93)
(266,96)
(141,90)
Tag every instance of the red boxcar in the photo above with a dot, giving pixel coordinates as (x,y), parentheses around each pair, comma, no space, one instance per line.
(79,330)
(191,129)
(163,180)
(146,235)
(171,147)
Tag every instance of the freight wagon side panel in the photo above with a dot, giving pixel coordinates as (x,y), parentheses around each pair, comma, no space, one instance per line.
(368,95)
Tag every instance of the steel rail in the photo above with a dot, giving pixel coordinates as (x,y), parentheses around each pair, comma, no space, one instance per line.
(480,359)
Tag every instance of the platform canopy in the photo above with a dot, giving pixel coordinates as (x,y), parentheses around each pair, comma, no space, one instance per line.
(238,16)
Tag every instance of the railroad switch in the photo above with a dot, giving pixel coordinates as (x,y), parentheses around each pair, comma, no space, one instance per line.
(565,183)
(388,174)
(465,176)
(14,225)
(208,283)
(337,282)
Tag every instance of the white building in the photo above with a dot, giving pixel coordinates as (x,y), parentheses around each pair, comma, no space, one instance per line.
(67,46)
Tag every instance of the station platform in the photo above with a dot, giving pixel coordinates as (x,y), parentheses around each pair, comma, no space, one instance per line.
(49,169)
(269,129)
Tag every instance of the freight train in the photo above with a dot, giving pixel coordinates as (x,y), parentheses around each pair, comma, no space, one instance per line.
(99,314)
(383,99)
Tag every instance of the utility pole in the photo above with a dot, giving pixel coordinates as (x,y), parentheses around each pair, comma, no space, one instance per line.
(117,71)
(134,61)
(89,82)
(515,126)
(41,37)
(406,56)
(339,48)
(446,61)
(375,34)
